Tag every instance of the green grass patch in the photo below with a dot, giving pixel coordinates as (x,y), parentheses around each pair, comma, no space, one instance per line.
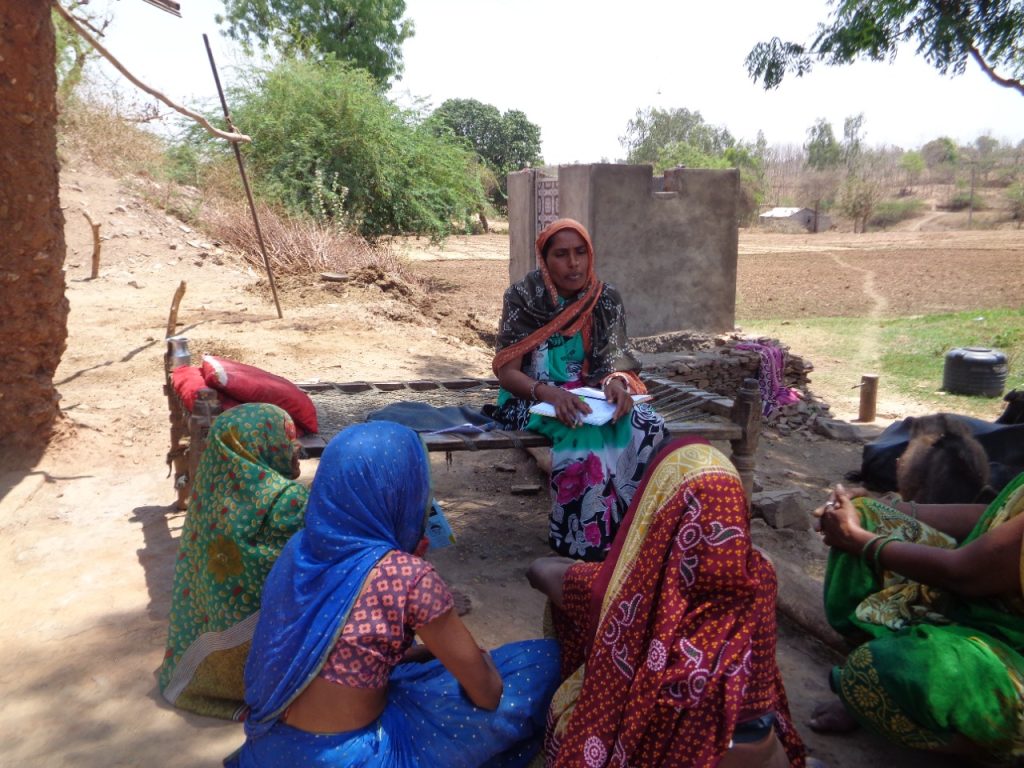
(889,212)
(908,353)
(914,348)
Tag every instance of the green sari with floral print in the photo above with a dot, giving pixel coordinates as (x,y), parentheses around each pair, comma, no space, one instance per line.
(243,509)
(595,470)
(937,665)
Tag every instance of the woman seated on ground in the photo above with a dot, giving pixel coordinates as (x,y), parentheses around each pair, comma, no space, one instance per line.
(562,328)
(244,507)
(935,590)
(333,678)
(668,646)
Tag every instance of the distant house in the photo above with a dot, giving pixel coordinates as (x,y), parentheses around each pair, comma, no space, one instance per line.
(803,217)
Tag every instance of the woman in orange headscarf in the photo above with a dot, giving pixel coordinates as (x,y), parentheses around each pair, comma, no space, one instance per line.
(561,329)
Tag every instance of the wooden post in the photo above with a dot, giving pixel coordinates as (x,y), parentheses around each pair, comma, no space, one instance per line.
(204,411)
(746,412)
(177,460)
(172,316)
(868,397)
(95,246)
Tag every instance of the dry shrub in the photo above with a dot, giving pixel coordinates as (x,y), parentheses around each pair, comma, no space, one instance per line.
(99,132)
(299,245)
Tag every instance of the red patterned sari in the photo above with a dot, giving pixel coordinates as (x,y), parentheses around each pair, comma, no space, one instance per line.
(670,643)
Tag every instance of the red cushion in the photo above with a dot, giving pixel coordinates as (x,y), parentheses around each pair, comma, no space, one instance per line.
(249,384)
(187,380)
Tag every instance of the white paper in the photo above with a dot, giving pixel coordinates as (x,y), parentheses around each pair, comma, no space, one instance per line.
(601,411)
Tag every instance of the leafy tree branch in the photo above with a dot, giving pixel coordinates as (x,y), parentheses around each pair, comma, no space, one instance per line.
(947,33)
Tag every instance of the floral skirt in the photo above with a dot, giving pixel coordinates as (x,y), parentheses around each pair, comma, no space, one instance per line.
(595,470)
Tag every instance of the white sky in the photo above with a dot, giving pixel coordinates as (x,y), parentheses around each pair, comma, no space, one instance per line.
(581,68)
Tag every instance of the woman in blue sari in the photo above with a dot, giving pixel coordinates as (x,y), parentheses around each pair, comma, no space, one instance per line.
(333,678)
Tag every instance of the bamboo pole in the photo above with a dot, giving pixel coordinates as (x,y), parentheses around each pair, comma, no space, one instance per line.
(245,179)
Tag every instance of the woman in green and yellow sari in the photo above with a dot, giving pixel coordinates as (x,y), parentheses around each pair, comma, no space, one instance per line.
(935,590)
(244,507)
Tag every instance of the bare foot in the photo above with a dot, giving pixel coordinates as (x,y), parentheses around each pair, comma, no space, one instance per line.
(832,717)
(463,604)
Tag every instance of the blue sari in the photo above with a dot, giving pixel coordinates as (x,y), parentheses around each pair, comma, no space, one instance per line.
(370,497)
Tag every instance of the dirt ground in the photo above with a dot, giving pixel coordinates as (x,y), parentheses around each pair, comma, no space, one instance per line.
(88,536)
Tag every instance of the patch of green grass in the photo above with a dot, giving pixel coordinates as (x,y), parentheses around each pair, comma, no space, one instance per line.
(914,348)
(889,212)
(908,353)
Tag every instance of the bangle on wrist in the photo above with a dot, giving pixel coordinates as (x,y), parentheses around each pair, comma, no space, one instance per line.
(867,545)
(533,388)
(615,376)
(878,550)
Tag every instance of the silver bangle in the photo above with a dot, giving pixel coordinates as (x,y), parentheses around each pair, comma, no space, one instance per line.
(533,389)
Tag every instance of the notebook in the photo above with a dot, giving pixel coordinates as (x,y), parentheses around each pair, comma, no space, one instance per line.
(601,411)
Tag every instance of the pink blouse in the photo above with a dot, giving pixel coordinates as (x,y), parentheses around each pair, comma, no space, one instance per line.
(402,593)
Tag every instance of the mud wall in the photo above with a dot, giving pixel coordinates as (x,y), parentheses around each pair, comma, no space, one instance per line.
(668,244)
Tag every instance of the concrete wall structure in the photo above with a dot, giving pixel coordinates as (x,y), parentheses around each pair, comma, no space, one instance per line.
(669,245)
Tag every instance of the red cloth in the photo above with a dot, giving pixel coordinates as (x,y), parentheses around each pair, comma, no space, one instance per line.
(249,384)
(187,380)
(686,649)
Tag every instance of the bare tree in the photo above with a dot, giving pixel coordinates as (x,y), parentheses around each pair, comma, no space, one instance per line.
(33,323)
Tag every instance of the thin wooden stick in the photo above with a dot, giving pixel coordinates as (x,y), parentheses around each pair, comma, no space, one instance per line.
(172,318)
(95,245)
(232,137)
(245,179)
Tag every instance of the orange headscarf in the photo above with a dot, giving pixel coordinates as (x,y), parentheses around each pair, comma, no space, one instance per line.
(575,316)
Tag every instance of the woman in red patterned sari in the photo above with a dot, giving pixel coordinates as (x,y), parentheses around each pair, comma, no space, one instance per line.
(668,646)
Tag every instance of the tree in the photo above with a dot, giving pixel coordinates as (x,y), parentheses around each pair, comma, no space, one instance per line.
(823,151)
(33,323)
(327,142)
(853,141)
(941,155)
(73,52)
(1015,198)
(505,143)
(946,32)
(913,165)
(366,33)
(986,154)
(652,130)
(858,198)
(819,187)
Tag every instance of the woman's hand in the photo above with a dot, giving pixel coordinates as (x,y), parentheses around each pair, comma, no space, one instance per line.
(453,645)
(839,523)
(569,408)
(615,392)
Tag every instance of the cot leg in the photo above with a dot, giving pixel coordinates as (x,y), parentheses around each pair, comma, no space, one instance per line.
(206,409)
(746,412)
(177,461)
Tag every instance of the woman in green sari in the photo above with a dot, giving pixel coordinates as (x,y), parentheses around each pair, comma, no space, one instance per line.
(935,590)
(561,329)
(244,507)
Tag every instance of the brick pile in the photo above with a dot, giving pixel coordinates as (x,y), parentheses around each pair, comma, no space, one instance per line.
(714,364)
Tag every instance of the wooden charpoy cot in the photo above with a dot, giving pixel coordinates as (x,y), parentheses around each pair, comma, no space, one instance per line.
(686,410)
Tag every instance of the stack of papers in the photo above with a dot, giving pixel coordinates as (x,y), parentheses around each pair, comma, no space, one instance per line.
(601,411)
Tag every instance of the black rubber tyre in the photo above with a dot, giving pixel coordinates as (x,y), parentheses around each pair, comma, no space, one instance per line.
(975,371)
